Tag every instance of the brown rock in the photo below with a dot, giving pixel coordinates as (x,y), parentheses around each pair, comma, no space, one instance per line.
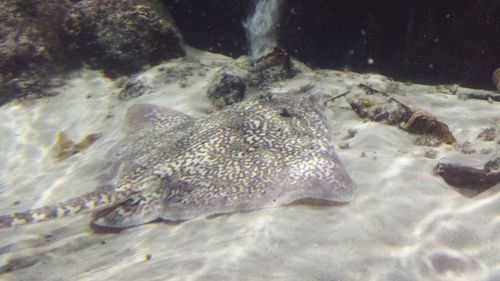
(423,123)
(467,180)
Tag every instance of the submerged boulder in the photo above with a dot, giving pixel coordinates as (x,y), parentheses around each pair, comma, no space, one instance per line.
(41,39)
(122,36)
(30,46)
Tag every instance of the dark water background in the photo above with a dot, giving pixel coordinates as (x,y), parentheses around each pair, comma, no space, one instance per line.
(421,41)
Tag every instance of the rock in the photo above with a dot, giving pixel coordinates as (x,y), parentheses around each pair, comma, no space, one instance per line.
(133,89)
(376,106)
(183,72)
(122,36)
(488,134)
(379,107)
(43,39)
(467,180)
(487,96)
(186,69)
(435,131)
(271,67)
(466,147)
(229,84)
(30,48)
(226,88)
(492,165)
(496,79)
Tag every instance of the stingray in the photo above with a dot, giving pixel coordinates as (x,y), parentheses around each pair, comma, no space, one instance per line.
(268,151)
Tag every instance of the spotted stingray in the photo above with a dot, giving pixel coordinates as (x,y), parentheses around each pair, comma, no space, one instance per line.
(269,151)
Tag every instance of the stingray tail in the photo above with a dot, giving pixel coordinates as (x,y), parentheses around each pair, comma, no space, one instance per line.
(89,201)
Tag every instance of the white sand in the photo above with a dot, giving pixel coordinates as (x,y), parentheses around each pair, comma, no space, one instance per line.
(404,224)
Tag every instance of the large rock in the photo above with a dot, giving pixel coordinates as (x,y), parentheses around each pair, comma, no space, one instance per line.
(41,39)
(30,46)
(122,36)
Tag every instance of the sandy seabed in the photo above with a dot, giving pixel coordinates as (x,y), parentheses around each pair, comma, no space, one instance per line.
(404,224)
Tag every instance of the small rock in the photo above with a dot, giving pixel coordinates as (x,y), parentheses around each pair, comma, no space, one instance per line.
(344,145)
(177,73)
(181,83)
(271,67)
(492,165)
(377,106)
(469,181)
(430,153)
(488,134)
(466,148)
(225,89)
(486,150)
(427,141)
(351,133)
(133,89)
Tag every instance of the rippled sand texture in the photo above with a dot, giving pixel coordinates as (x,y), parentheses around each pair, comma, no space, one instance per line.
(404,224)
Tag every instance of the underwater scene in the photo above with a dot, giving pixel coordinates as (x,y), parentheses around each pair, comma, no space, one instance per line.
(328,140)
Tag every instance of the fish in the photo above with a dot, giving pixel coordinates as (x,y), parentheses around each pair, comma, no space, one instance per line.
(272,150)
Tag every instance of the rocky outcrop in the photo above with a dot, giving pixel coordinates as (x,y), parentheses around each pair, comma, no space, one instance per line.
(122,36)
(30,46)
(42,39)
